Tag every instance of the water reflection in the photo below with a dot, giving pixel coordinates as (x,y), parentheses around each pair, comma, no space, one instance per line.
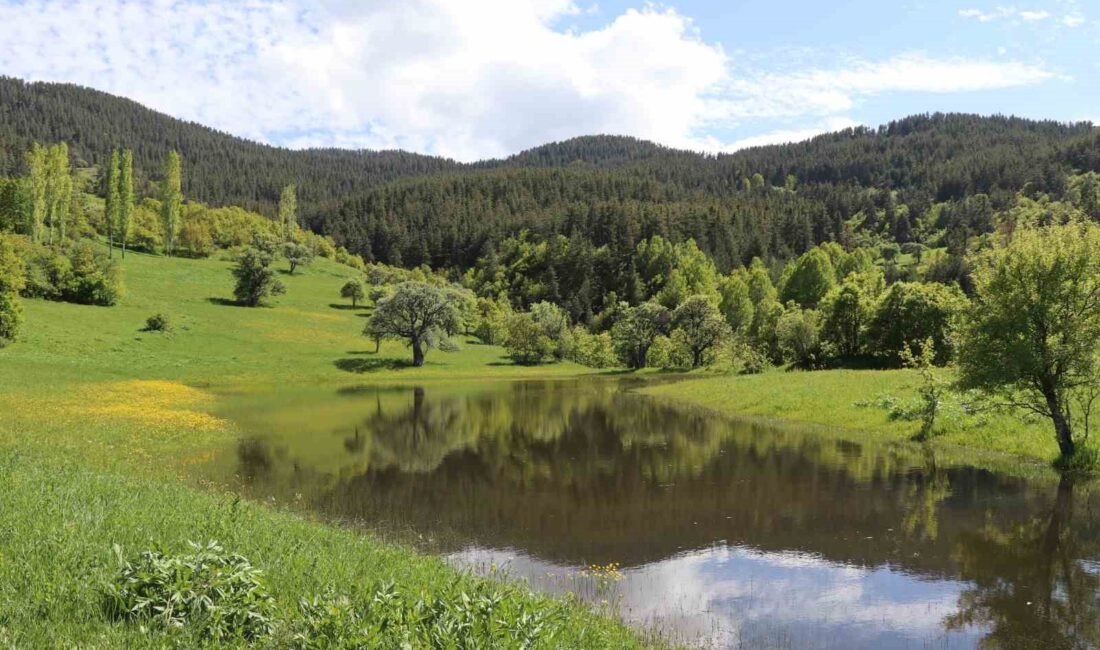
(738,532)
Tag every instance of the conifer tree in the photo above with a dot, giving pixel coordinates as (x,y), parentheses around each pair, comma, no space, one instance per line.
(171,198)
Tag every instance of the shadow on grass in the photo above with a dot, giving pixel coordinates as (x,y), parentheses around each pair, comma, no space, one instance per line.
(225,302)
(362,365)
(345,307)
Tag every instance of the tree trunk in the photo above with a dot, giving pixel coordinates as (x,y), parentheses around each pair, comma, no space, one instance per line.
(1062,429)
(418,353)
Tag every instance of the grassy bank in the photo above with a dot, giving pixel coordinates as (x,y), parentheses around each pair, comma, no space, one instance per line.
(870,405)
(100,420)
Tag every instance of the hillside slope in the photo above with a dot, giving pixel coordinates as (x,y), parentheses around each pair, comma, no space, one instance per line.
(880,184)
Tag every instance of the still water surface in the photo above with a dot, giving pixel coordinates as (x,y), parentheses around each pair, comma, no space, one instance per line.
(725,532)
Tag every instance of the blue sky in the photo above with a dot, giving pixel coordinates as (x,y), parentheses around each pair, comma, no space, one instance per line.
(472,79)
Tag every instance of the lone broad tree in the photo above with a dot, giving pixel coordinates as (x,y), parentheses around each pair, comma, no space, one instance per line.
(1031,336)
(420,314)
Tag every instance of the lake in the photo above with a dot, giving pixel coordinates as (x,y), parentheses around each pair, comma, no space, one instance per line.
(721,532)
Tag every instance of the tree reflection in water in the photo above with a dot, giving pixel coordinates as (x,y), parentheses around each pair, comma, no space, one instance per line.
(576,473)
(1033,585)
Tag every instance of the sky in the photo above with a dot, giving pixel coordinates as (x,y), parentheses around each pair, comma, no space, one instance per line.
(475,79)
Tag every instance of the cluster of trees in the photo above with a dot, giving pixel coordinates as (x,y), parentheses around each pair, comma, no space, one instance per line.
(1025,335)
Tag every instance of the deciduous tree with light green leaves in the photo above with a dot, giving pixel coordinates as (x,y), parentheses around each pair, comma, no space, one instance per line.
(171,201)
(807,279)
(125,197)
(422,315)
(700,328)
(288,211)
(353,291)
(736,303)
(1031,336)
(59,190)
(111,202)
(37,172)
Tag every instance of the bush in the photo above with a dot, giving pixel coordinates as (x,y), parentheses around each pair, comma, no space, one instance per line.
(592,350)
(911,312)
(525,341)
(217,595)
(82,274)
(11,316)
(482,616)
(751,358)
(157,323)
(95,278)
(798,332)
(255,278)
(195,239)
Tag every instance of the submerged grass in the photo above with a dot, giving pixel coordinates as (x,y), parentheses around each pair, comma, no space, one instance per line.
(870,406)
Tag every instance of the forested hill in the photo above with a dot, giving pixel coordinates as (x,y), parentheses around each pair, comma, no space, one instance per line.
(219,168)
(928,178)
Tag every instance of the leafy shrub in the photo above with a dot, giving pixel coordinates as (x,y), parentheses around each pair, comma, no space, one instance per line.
(798,332)
(751,358)
(911,312)
(592,350)
(1084,462)
(457,616)
(11,316)
(96,280)
(256,279)
(195,239)
(81,273)
(216,595)
(157,323)
(525,341)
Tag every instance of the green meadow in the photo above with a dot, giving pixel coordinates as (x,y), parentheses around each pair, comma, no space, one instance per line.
(100,421)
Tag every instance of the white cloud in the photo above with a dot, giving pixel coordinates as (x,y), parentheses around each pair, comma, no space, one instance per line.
(1015,15)
(1032,16)
(462,79)
(781,136)
(834,91)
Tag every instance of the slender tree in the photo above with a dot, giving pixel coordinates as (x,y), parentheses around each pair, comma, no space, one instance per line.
(288,211)
(36,188)
(171,199)
(125,197)
(111,204)
(59,189)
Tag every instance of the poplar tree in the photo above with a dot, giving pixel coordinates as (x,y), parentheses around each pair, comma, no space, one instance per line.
(125,197)
(288,211)
(111,205)
(59,189)
(171,198)
(36,186)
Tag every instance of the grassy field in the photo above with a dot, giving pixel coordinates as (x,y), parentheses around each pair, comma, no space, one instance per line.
(865,405)
(99,420)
